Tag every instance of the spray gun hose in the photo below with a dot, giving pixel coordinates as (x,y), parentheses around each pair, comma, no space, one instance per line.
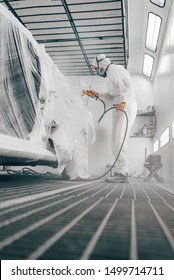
(106,111)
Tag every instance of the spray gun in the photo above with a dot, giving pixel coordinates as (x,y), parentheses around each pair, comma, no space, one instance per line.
(96,96)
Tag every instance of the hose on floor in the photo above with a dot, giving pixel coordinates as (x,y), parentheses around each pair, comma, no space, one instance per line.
(26,171)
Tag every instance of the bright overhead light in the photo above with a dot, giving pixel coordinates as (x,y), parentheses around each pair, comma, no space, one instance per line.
(148,65)
(153,29)
(173,129)
(164,139)
(159,3)
(156,146)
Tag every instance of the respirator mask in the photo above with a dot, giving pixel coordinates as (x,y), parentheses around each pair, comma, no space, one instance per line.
(102,71)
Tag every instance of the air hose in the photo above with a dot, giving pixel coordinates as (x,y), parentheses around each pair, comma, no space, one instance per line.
(124,137)
(101,117)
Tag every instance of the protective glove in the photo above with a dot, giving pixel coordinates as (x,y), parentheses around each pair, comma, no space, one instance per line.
(91,93)
(121,106)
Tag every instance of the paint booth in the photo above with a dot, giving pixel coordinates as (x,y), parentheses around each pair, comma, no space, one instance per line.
(58,198)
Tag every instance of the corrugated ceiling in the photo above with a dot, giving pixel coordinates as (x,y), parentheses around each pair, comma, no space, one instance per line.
(75,31)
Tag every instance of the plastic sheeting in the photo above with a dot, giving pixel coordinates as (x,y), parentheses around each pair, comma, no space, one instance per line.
(37,103)
(20,79)
(74,130)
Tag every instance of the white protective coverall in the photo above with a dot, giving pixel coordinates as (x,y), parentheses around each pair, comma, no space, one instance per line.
(119,89)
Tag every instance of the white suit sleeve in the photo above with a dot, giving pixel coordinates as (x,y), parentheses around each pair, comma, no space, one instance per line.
(120,87)
(106,96)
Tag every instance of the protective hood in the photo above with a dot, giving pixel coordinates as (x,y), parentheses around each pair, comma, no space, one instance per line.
(102,62)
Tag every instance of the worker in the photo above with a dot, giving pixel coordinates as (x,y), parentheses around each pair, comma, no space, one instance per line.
(120,93)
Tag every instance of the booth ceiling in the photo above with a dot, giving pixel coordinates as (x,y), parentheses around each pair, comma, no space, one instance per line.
(75,31)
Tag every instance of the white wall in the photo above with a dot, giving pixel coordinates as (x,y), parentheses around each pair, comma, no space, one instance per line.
(143,91)
(164,96)
(100,152)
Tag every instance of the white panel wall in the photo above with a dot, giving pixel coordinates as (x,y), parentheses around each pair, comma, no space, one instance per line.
(164,97)
(100,152)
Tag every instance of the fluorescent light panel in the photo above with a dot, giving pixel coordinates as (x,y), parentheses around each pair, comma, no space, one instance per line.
(173,129)
(164,139)
(153,29)
(159,3)
(156,146)
(148,65)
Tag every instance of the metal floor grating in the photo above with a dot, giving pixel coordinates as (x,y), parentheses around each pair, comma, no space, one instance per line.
(44,218)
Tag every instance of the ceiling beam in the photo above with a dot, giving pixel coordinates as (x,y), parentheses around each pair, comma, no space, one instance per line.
(93,2)
(76,34)
(124,32)
(75,39)
(74,12)
(77,19)
(85,25)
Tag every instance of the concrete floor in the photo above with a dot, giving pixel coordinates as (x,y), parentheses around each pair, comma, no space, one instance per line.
(47,218)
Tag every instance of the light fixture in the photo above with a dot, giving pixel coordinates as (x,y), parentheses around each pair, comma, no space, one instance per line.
(173,129)
(160,3)
(164,139)
(156,146)
(153,29)
(148,65)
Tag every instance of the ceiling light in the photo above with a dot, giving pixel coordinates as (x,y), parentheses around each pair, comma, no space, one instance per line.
(173,129)
(156,146)
(153,29)
(159,3)
(148,65)
(164,139)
